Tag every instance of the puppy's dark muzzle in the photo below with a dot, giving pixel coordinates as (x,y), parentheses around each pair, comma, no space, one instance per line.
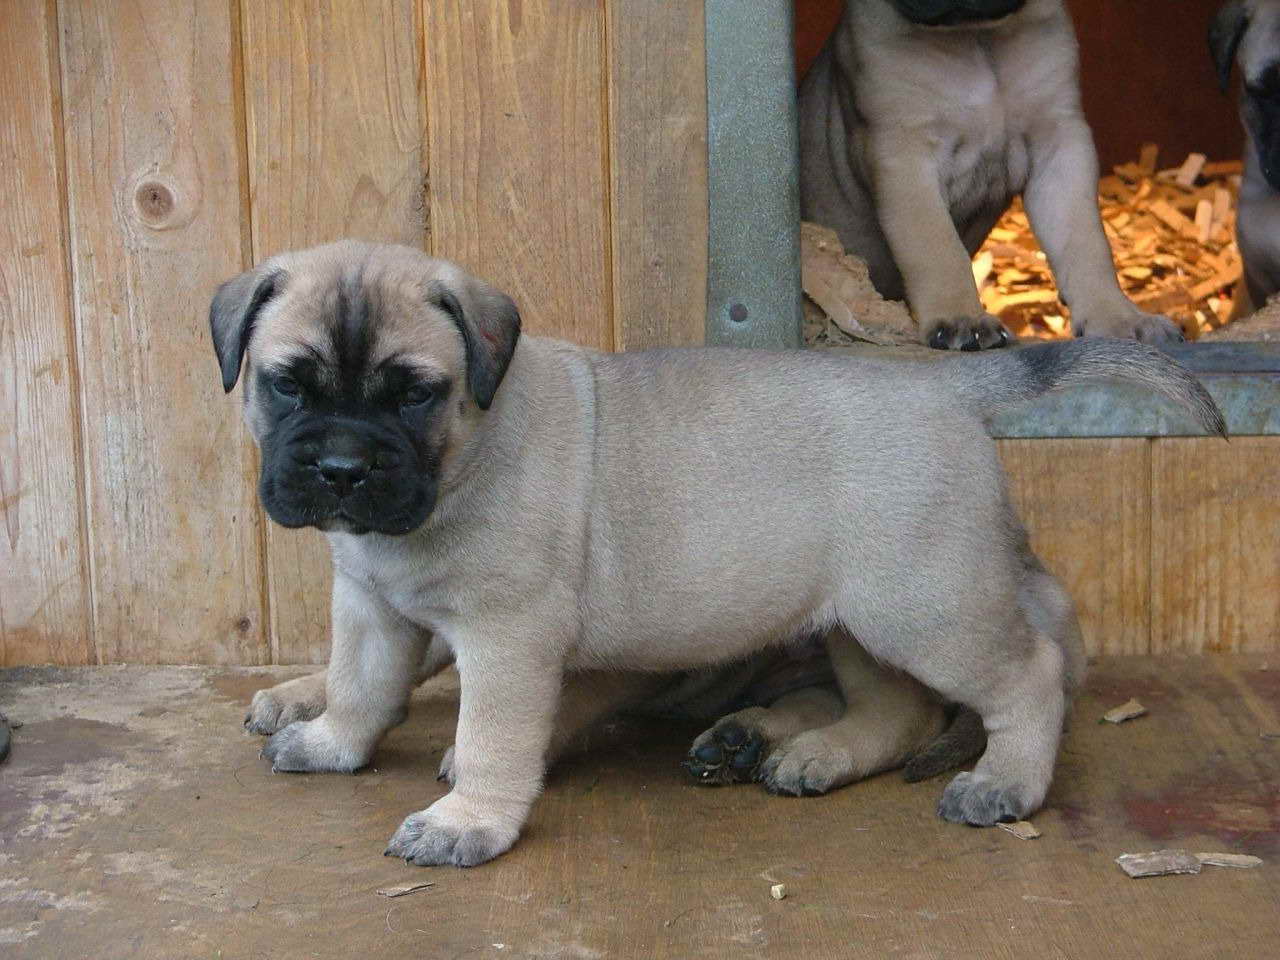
(954,13)
(334,475)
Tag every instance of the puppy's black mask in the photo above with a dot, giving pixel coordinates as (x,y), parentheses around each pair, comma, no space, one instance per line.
(952,13)
(350,442)
(347,449)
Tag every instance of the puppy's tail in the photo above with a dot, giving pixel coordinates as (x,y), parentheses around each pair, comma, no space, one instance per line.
(962,741)
(1006,377)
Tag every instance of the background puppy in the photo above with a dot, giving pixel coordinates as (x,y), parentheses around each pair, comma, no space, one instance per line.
(1247,32)
(572,525)
(919,123)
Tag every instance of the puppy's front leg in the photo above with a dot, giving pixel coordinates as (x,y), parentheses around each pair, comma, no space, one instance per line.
(935,265)
(1062,205)
(509,701)
(372,670)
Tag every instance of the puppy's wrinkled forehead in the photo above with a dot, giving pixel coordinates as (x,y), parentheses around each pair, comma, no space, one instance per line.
(349,319)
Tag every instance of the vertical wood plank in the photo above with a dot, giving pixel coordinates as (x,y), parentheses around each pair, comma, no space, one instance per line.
(44,603)
(517,148)
(1086,506)
(335,149)
(154,199)
(1215,545)
(658,172)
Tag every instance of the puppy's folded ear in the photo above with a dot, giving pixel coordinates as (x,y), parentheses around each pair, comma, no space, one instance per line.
(490,326)
(233,313)
(1225,33)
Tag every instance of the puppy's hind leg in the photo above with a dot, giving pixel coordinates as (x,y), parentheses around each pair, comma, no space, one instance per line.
(1014,677)
(888,718)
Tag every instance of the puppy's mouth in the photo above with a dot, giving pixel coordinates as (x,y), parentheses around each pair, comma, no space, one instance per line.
(957,13)
(391,514)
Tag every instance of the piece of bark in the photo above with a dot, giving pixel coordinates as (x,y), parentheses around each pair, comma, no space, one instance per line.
(840,284)
(1022,829)
(1158,863)
(405,889)
(1242,861)
(1126,711)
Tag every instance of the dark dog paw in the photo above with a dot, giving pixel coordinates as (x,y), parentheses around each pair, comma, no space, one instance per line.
(983,332)
(727,753)
(979,801)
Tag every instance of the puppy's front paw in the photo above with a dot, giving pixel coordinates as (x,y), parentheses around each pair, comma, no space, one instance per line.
(309,746)
(452,831)
(983,332)
(976,799)
(1131,324)
(729,752)
(275,708)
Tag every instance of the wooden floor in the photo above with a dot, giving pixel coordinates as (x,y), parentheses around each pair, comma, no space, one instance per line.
(137,821)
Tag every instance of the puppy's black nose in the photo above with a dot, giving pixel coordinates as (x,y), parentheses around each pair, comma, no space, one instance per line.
(343,473)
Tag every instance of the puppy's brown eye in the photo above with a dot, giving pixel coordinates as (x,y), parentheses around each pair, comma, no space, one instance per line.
(418,396)
(286,387)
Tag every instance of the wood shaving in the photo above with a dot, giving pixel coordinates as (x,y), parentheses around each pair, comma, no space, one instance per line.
(1126,711)
(404,889)
(1241,861)
(1158,863)
(1172,235)
(1022,829)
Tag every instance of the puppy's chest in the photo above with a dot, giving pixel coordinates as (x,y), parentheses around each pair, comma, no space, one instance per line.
(979,138)
(406,577)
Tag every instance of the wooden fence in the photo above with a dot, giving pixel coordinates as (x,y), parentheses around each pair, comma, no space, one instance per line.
(149,150)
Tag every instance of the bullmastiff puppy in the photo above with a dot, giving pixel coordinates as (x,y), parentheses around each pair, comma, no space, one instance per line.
(573,528)
(921,120)
(1247,32)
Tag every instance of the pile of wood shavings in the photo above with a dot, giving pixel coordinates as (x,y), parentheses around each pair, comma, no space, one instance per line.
(1172,235)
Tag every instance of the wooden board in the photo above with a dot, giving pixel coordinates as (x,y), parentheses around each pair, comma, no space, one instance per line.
(658,172)
(1085,503)
(1215,540)
(44,599)
(335,149)
(518,155)
(154,197)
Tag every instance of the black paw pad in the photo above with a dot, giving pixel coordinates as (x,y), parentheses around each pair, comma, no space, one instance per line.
(731,754)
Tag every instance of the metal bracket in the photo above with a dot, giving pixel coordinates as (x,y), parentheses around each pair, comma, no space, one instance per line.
(753,255)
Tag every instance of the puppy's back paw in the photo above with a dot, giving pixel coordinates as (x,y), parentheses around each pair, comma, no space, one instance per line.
(730,752)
